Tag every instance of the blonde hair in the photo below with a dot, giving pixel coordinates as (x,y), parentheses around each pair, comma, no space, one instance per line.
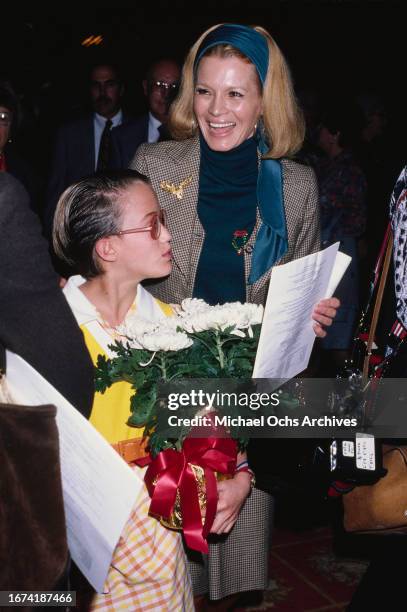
(282,118)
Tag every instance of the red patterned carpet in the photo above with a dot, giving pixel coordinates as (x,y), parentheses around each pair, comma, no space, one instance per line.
(306,575)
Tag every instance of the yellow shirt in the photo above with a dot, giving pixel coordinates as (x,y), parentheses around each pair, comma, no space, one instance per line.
(111,409)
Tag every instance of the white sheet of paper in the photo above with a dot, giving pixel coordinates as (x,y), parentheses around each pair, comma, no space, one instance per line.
(287,336)
(99,488)
(341,264)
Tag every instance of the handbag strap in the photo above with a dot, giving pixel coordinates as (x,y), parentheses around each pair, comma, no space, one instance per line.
(377,306)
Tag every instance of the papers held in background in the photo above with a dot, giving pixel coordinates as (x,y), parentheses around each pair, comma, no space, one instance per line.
(287,335)
(99,488)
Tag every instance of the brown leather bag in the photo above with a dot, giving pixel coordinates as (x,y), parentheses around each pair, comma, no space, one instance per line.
(382,507)
(33,545)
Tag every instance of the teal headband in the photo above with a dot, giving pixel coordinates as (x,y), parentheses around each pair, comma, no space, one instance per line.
(247,40)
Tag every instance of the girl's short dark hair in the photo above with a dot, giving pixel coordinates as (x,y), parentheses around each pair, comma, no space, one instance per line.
(87,211)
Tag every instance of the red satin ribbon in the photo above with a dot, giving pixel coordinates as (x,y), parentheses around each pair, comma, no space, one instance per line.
(172,470)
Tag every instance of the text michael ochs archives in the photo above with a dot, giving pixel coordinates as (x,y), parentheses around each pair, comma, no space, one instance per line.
(260,421)
(206,402)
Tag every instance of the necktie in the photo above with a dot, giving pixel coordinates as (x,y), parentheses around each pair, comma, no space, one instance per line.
(104,148)
(164,133)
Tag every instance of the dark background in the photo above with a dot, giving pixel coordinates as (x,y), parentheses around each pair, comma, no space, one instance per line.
(349,44)
(331,45)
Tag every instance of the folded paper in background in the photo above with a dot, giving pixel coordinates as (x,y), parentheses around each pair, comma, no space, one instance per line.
(99,488)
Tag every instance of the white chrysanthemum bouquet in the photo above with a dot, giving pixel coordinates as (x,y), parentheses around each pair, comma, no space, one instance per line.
(199,341)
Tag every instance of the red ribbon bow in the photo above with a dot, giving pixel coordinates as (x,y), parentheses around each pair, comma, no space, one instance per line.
(173,471)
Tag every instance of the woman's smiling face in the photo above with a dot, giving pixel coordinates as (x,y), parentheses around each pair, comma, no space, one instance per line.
(227,101)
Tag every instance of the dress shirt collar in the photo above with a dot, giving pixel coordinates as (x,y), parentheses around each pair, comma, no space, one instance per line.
(83,309)
(116,119)
(153,125)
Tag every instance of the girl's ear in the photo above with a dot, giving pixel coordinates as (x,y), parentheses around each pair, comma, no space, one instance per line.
(105,248)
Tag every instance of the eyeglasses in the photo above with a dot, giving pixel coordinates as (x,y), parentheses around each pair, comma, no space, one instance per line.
(5,118)
(157,222)
(164,86)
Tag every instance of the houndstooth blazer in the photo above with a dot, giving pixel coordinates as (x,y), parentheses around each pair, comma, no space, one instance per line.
(173,163)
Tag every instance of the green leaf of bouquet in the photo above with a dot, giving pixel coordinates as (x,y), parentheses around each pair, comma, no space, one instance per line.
(158,443)
(103,375)
(137,379)
(141,406)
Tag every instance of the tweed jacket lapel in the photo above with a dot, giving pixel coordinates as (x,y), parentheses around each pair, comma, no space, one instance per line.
(181,163)
(174,174)
(175,162)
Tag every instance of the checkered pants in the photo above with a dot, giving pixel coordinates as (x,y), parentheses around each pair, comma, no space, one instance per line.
(148,569)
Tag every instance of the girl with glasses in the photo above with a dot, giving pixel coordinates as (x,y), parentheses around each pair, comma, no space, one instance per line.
(110,228)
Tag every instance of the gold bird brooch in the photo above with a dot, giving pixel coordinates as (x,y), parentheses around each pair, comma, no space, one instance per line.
(177,190)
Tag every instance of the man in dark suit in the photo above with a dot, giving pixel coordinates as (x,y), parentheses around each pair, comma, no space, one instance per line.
(83,146)
(35,319)
(160,88)
(37,324)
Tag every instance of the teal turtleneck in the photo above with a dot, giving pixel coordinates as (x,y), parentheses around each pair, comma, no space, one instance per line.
(227,202)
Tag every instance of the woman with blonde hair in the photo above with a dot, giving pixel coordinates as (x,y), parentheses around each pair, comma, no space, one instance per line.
(236,206)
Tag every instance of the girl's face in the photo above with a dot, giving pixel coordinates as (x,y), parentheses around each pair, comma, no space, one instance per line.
(138,255)
(227,101)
